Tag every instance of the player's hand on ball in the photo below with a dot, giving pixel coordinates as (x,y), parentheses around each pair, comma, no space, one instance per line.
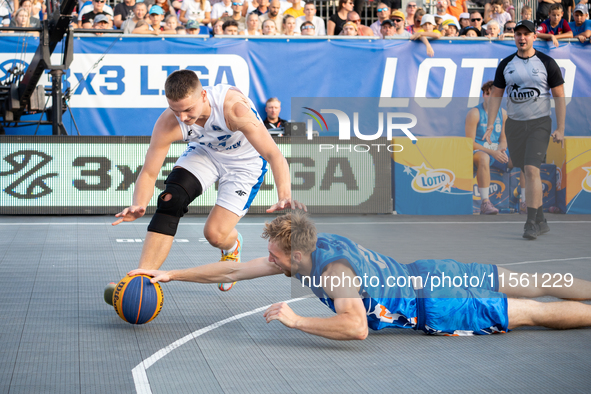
(285,204)
(157,276)
(283,313)
(129,214)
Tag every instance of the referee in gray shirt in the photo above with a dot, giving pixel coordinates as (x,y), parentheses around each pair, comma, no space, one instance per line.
(529,76)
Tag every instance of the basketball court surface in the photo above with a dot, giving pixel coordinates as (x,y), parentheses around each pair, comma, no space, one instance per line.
(57,334)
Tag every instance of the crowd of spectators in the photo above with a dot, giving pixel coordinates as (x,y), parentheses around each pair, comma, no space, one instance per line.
(555,19)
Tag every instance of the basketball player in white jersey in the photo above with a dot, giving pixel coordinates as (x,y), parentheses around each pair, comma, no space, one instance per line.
(229,143)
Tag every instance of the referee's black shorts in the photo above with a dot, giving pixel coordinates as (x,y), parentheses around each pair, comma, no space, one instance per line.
(527,140)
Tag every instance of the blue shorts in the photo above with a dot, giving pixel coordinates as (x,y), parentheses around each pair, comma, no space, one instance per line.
(459,299)
(494,163)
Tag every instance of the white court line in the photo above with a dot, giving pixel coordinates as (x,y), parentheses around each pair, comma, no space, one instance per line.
(140,377)
(546,261)
(318,223)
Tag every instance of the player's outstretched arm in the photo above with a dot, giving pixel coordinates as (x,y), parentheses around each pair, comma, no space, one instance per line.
(350,323)
(166,131)
(220,272)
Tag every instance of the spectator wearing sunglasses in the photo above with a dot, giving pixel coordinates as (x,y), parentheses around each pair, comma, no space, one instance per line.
(98,8)
(411,8)
(508,30)
(236,15)
(308,29)
(192,10)
(296,10)
(310,16)
(383,14)
(362,30)
(475,23)
(397,20)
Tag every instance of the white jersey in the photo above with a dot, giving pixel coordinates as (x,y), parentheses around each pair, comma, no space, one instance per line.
(215,135)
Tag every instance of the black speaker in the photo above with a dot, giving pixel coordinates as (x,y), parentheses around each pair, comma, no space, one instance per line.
(295,129)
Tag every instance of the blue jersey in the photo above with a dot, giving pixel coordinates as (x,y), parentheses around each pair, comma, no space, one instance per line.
(586,25)
(386,304)
(481,128)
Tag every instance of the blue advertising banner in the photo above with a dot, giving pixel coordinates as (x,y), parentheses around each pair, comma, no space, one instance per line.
(117,82)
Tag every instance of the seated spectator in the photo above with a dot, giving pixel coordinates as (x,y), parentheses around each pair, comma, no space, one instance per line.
(476,23)
(388,29)
(192,27)
(441,8)
(289,26)
(274,15)
(383,14)
(155,25)
(508,7)
(217,27)
(166,7)
(252,25)
(236,15)
(123,11)
(527,13)
(487,155)
(471,32)
(338,19)
(427,30)
(310,16)
(581,27)
(90,10)
(33,22)
(230,28)
(140,10)
(171,22)
(492,29)
(101,22)
(451,29)
(22,19)
(456,8)
(262,8)
(296,10)
(498,14)
(397,20)
(411,8)
(38,10)
(362,30)
(308,29)
(196,10)
(269,28)
(349,29)
(416,26)
(554,27)
(220,10)
(464,20)
(273,108)
(181,31)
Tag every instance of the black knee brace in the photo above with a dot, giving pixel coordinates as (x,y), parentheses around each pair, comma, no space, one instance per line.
(182,187)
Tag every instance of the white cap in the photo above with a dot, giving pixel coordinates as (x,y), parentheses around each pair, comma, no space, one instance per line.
(428,18)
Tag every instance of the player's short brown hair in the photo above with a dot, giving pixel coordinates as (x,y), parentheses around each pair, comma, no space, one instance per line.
(487,87)
(181,84)
(292,231)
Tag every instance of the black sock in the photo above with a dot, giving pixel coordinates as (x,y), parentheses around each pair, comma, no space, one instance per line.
(531,214)
(540,215)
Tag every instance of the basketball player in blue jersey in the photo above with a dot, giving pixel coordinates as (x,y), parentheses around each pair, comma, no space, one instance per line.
(227,142)
(492,306)
(529,76)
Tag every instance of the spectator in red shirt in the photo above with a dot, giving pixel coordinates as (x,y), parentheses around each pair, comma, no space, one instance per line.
(554,27)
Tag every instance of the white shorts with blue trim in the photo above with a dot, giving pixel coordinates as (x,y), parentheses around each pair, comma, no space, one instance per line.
(239,178)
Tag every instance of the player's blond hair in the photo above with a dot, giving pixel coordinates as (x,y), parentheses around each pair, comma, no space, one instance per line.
(292,231)
(181,84)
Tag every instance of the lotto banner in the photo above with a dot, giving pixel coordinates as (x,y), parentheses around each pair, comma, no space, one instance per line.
(433,176)
(548,173)
(97,175)
(498,191)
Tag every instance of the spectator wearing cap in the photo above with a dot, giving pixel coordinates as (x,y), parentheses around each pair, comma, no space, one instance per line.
(398,23)
(349,29)
(101,22)
(411,8)
(98,8)
(220,10)
(192,27)
(362,30)
(427,30)
(471,32)
(196,10)
(456,8)
(451,29)
(555,27)
(387,29)
(154,27)
(140,11)
(441,8)
(307,29)
(581,26)
(310,16)
(475,22)
(383,14)
(236,15)
(123,11)
(464,20)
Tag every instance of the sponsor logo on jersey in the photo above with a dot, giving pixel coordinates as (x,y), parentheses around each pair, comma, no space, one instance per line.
(518,94)
(216,128)
(240,192)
